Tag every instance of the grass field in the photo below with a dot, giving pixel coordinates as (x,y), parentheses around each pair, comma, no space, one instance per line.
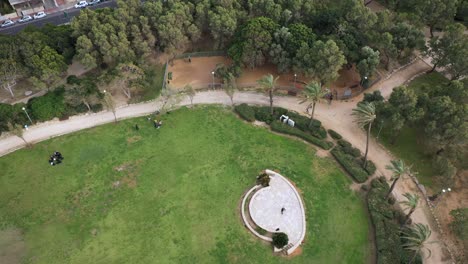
(172,195)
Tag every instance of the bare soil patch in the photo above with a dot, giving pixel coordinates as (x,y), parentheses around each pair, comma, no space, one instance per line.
(12,246)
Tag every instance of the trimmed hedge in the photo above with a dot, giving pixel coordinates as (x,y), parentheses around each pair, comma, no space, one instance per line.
(246,112)
(350,165)
(334,134)
(387,229)
(279,127)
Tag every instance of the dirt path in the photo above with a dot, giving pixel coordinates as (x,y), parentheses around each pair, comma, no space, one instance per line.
(336,117)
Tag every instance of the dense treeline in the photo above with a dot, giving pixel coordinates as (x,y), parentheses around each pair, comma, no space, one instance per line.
(41,54)
(315,38)
(440,112)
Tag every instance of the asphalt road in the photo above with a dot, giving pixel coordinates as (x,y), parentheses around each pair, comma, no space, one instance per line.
(56,18)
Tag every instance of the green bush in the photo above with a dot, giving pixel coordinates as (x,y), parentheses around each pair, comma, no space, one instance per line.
(48,106)
(350,165)
(334,134)
(279,127)
(12,114)
(387,229)
(344,143)
(280,240)
(370,167)
(262,113)
(246,112)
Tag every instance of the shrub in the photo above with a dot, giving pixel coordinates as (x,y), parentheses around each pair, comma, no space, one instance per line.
(48,106)
(12,114)
(262,113)
(365,187)
(279,127)
(263,179)
(280,240)
(246,112)
(370,167)
(387,229)
(350,165)
(344,143)
(72,79)
(334,134)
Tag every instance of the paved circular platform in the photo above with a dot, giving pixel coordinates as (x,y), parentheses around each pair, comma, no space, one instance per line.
(267,203)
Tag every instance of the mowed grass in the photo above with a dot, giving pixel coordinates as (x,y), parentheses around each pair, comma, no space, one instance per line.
(172,195)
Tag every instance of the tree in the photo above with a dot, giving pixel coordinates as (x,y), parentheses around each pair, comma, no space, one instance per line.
(323,60)
(411,203)
(169,99)
(436,12)
(83,92)
(416,239)
(17,130)
(130,74)
(368,61)
(190,92)
(450,51)
(406,38)
(110,104)
(268,83)
(398,169)
(445,121)
(402,108)
(253,42)
(230,86)
(47,67)
(384,42)
(364,116)
(222,24)
(279,52)
(8,75)
(280,240)
(313,92)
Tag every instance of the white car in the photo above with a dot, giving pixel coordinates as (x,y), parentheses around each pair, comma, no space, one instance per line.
(81,4)
(39,15)
(94,2)
(25,19)
(7,23)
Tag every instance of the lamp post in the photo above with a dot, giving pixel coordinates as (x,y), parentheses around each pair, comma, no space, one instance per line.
(212,79)
(435,196)
(295,79)
(363,80)
(24,109)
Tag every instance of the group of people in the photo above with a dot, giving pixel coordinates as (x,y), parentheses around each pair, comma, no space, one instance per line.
(56,158)
(157,123)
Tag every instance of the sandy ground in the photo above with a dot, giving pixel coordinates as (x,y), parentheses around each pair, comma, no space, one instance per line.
(336,117)
(198,73)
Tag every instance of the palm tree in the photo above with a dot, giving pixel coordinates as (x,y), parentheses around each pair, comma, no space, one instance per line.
(416,239)
(411,203)
(365,116)
(313,92)
(268,83)
(398,169)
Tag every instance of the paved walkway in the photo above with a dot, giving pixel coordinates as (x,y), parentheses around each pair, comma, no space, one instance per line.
(266,209)
(337,117)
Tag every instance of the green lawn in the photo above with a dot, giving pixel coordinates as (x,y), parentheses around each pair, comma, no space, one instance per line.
(179,194)
(410,143)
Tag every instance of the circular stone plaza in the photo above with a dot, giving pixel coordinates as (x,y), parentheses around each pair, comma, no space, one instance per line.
(275,208)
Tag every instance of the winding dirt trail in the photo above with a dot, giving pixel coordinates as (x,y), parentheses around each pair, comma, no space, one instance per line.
(336,116)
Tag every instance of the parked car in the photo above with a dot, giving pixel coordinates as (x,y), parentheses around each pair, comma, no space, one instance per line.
(39,15)
(94,2)
(81,4)
(25,19)
(7,23)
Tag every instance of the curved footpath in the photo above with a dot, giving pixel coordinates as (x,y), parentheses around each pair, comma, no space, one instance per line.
(337,117)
